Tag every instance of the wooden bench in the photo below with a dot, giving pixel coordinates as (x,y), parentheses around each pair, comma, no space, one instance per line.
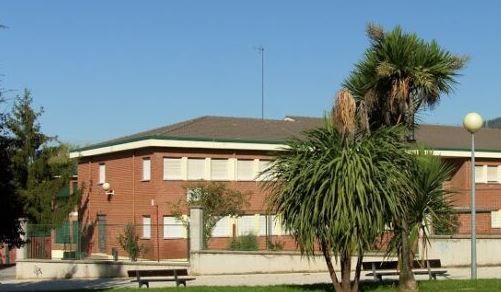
(390,268)
(144,277)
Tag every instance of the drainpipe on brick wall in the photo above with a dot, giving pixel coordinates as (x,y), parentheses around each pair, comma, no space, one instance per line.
(133,189)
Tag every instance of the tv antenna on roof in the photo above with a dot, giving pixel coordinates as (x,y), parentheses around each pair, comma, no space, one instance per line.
(261,51)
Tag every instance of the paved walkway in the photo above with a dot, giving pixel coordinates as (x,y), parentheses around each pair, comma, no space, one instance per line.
(224,280)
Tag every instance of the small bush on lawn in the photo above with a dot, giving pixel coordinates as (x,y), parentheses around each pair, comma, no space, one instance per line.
(245,242)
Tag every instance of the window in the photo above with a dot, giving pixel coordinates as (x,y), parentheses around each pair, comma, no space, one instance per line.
(173,228)
(146,227)
(196,168)
(263,165)
(246,224)
(102,173)
(496,219)
(172,168)
(219,169)
(245,170)
(487,174)
(492,174)
(271,225)
(222,228)
(479,174)
(146,169)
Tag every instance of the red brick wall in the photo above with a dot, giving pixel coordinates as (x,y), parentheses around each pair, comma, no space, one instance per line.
(133,197)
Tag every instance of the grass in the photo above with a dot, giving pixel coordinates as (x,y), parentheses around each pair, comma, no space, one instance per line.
(441,285)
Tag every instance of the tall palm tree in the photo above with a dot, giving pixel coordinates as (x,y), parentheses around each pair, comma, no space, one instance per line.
(401,74)
(335,189)
(429,203)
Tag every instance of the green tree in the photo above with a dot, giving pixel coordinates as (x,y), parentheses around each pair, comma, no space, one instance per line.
(41,166)
(337,187)
(429,204)
(216,201)
(400,75)
(129,241)
(11,207)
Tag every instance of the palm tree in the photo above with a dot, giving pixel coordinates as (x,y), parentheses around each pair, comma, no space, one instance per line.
(401,74)
(429,204)
(335,189)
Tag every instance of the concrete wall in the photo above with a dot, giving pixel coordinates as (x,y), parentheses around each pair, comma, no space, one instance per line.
(242,262)
(455,250)
(53,269)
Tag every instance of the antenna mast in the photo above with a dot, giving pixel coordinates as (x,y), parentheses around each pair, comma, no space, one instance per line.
(261,51)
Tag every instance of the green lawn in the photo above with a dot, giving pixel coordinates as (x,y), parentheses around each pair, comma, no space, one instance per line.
(441,285)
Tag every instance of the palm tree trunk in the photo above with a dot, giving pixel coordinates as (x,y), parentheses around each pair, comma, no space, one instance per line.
(346,271)
(358,269)
(407,282)
(326,251)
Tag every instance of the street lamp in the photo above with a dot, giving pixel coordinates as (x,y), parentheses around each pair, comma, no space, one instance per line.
(473,122)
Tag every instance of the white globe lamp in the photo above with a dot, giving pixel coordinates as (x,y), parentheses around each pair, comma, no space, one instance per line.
(473,122)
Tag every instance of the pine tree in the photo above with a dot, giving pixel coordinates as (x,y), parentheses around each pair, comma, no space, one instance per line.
(40,164)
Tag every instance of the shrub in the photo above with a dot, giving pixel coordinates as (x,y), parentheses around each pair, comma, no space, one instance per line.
(245,242)
(129,241)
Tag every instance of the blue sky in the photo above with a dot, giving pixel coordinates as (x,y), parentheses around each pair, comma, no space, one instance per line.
(103,69)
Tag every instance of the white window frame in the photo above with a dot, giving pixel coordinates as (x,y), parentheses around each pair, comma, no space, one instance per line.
(102,173)
(173,176)
(146,169)
(146,227)
(496,219)
(173,228)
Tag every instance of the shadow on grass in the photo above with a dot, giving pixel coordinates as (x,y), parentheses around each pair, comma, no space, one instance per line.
(364,286)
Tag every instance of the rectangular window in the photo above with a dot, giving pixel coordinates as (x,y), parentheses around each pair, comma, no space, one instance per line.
(264,165)
(146,227)
(172,168)
(102,173)
(146,169)
(492,174)
(196,168)
(222,228)
(480,176)
(270,224)
(496,219)
(245,170)
(246,224)
(173,228)
(219,169)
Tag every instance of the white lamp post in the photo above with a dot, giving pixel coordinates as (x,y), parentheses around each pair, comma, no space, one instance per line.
(473,122)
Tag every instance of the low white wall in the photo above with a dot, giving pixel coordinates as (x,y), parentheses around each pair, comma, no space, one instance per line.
(456,250)
(67,269)
(241,262)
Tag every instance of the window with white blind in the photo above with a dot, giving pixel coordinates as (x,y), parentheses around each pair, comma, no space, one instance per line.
(487,174)
(496,219)
(196,168)
(272,223)
(146,169)
(245,170)
(246,224)
(262,166)
(479,174)
(172,168)
(492,173)
(222,228)
(174,228)
(102,173)
(146,227)
(219,169)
